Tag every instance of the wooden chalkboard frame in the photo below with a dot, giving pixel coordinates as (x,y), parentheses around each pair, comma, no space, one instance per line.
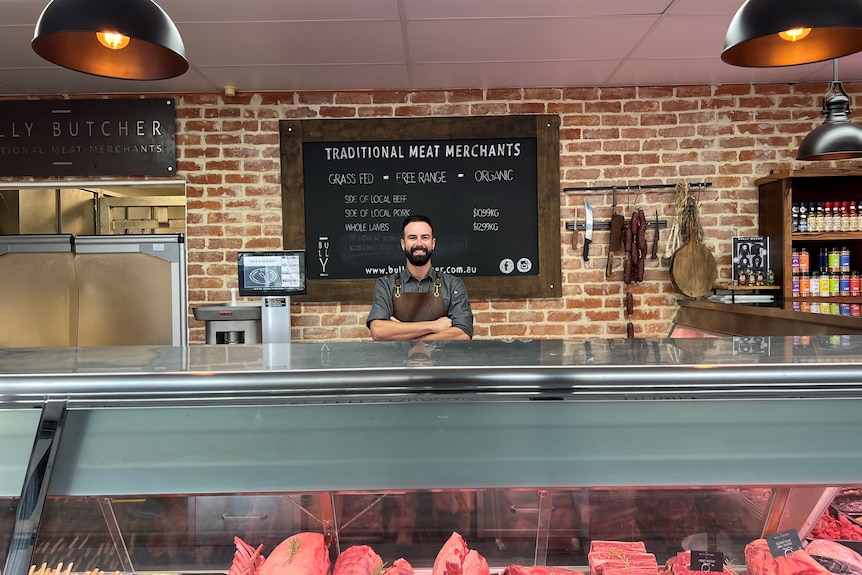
(545,128)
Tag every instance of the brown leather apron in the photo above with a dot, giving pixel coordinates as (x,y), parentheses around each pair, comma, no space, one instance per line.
(425,306)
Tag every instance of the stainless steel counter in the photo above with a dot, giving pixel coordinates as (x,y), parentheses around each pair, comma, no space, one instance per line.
(707,368)
(481,416)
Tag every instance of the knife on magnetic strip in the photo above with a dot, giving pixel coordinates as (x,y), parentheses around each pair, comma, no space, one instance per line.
(588,236)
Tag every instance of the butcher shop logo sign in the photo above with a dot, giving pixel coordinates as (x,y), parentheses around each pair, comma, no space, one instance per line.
(123,137)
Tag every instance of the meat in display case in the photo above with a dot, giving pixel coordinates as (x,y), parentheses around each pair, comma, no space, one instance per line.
(196,533)
(205,459)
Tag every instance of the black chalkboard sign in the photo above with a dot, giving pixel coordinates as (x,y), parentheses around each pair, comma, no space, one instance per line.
(489,184)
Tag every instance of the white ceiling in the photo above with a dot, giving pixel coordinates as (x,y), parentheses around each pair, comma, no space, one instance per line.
(286,45)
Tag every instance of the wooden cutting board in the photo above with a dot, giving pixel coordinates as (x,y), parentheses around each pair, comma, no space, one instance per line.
(693,270)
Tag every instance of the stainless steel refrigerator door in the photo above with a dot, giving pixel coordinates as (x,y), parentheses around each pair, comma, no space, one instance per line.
(132,290)
(38,291)
(109,290)
(124,299)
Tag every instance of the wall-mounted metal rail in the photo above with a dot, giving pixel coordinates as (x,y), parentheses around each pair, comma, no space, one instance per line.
(633,187)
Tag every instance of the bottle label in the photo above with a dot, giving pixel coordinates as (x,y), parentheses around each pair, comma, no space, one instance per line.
(844,261)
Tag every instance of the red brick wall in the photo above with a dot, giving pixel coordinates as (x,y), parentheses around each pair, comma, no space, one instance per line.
(726,135)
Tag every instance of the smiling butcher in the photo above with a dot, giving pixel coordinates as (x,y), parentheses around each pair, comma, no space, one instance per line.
(419,302)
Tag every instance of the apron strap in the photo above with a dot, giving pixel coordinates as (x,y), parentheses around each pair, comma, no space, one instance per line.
(437,283)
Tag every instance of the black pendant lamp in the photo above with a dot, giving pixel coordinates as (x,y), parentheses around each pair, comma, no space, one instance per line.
(766,33)
(127,39)
(837,138)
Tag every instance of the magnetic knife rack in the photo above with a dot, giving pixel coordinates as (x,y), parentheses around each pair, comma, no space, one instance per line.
(607,225)
(634,187)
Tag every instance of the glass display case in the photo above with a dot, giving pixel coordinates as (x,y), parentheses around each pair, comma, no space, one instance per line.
(149,459)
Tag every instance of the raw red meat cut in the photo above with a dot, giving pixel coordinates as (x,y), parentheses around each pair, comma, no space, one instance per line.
(246,559)
(450,557)
(680,564)
(625,570)
(475,564)
(301,554)
(621,546)
(759,560)
(538,570)
(835,557)
(827,527)
(621,558)
(358,560)
(399,567)
(455,559)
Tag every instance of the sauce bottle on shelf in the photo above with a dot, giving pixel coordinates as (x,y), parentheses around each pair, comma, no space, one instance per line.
(814,285)
(844,284)
(853,216)
(805,284)
(845,217)
(804,261)
(803,218)
(824,284)
(826,222)
(823,260)
(834,260)
(834,284)
(844,259)
(836,217)
(794,218)
(794,261)
(854,283)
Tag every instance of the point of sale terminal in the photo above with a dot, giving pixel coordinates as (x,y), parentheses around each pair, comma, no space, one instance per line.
(274,276)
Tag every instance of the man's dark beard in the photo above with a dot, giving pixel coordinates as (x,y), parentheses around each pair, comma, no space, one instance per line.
(419,260)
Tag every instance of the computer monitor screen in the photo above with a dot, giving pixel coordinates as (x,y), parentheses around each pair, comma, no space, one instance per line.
(278,273)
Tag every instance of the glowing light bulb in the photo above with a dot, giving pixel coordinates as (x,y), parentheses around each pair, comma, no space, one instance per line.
(113,40)
(794,34)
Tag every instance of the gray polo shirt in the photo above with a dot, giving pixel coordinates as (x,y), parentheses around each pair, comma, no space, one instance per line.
(452,291)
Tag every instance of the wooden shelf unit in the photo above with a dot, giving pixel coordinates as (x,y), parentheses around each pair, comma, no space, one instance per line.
(777,194)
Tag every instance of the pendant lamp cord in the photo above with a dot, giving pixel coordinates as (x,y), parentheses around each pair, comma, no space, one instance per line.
(835,88)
